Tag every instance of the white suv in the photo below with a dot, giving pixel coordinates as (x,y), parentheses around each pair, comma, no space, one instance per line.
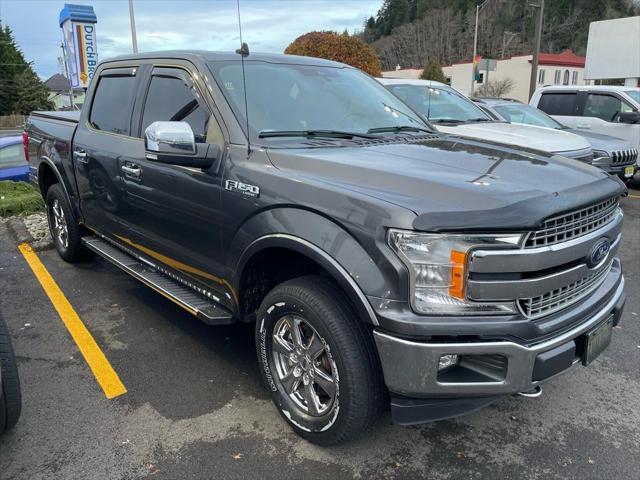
(611,110)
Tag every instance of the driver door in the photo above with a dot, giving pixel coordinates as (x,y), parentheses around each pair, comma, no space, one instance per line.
(174,211)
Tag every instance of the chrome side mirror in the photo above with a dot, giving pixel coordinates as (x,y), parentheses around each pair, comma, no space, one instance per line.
(170,138)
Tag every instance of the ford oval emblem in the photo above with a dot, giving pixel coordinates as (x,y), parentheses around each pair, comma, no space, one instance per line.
(599,252)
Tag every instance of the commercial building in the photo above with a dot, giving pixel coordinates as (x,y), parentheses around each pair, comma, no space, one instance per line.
(564,68)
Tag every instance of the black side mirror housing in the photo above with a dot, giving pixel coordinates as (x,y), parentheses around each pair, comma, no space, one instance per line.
(629,117)
(205,156)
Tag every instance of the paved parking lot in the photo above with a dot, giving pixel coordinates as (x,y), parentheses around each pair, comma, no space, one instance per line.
(194,407)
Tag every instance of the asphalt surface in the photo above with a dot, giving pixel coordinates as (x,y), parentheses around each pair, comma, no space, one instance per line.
(195,407)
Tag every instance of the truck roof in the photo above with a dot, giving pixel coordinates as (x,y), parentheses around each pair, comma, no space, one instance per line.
(605,88)
(210,56)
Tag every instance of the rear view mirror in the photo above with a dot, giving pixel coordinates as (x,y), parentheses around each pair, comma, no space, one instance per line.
(174,143)
(629,117)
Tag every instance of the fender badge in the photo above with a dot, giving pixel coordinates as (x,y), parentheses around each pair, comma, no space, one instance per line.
(243,188)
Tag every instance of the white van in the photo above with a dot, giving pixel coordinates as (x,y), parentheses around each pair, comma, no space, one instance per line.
(606,109)
(451,112)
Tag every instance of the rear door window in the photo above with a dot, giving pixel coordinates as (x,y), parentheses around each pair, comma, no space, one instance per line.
(113,103)
(558,103)
(605,107)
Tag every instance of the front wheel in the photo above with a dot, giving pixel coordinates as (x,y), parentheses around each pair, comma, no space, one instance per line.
(318,360)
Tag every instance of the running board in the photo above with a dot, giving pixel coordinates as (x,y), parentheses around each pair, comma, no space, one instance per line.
(206,309)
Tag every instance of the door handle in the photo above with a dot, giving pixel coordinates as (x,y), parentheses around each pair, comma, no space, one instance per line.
(583,125)
(132,170)
(80,155)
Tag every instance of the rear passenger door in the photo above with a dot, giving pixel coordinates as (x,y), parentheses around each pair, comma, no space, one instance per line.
(174,212)
(103,141)
(562,105)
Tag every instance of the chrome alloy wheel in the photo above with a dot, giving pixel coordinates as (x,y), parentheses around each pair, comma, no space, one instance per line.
(304,365)
(60,229)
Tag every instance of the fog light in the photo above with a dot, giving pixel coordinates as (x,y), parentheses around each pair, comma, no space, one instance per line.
(447,361)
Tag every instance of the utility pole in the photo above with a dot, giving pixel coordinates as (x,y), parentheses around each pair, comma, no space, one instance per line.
(72,104)
(475,45)
(134,39)
(536,47)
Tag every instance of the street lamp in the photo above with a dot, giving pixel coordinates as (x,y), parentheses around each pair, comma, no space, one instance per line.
(479,6)
(134,39)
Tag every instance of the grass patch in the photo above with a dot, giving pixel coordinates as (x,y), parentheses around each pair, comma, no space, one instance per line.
(19,198)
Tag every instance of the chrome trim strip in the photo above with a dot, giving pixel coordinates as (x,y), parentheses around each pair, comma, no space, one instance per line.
(505,290)
(411,368)
(541,258)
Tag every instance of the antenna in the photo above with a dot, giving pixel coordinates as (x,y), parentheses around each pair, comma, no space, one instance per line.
(243,51)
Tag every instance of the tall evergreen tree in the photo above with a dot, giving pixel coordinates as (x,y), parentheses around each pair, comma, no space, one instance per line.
(21,91)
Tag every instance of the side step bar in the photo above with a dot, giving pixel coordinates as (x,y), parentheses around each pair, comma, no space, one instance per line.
(195,303)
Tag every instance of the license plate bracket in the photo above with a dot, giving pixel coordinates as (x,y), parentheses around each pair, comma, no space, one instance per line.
(597,340)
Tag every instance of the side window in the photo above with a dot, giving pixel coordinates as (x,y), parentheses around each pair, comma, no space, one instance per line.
(558,103)
(605,107)
(171,99)
(112,103)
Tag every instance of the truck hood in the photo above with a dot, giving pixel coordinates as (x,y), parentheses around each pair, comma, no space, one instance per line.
(453,183)
(530,136)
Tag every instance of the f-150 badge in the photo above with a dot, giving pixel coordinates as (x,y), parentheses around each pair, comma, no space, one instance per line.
(243,188)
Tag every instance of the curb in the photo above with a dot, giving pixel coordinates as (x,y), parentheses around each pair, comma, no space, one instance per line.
(18,230)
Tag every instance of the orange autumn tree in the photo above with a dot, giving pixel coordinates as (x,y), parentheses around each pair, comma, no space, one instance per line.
(338,47)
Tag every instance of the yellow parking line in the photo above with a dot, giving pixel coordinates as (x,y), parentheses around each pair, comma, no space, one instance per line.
(98,363)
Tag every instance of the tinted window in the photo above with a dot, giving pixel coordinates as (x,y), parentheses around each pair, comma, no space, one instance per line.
(12,156)
(558,103)
(170,99)
(112,103)
(606,107)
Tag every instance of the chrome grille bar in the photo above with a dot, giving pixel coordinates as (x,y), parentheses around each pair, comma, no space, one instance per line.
(564,296)
(574,224)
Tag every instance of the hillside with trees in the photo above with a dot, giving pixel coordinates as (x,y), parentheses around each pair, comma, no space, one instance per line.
(407,32)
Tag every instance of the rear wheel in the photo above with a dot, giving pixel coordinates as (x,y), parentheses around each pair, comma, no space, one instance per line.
(10,398)
(318,360)
(65,231)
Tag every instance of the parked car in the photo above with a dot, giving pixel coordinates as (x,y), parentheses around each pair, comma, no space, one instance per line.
(371,252)
(10,399)
(606,109)
(13,165)
(614,155)
(452,112)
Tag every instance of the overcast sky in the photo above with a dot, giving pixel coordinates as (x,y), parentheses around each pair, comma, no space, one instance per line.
(267,25)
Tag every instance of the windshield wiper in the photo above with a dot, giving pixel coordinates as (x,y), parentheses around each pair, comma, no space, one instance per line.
(312,133)
(480,120)
(398,128)
(447,120)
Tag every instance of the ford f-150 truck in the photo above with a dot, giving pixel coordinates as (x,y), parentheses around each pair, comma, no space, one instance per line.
(382,262)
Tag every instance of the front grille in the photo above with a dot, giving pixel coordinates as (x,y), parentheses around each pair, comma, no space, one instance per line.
(574,224)
(562,297)
(624,157)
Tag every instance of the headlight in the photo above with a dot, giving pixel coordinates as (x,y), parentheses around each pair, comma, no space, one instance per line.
(599,154)
(438,266)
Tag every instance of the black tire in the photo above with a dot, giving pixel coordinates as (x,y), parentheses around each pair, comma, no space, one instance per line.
(72,250)
(349,354)
(10,399)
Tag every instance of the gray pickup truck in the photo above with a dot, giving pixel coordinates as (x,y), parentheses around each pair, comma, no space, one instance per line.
(381,262)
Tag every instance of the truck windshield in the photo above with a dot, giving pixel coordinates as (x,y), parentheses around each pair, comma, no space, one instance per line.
(635,94)
(439,105)
(520,113)
(290,100)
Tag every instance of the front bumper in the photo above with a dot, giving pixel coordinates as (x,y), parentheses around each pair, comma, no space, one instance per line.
(411,367)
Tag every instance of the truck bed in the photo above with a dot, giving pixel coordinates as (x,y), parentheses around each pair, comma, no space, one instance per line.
(72,117)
